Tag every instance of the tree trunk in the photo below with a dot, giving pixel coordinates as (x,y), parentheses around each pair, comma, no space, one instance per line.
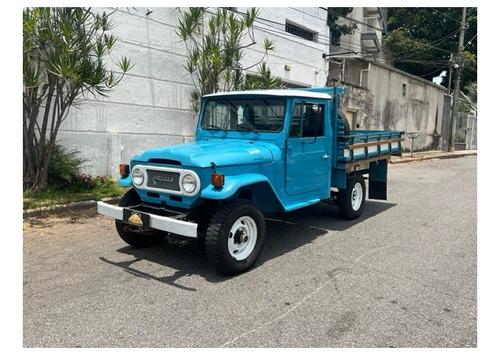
(36,173)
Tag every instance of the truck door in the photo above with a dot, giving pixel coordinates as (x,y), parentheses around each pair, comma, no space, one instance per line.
(308,149)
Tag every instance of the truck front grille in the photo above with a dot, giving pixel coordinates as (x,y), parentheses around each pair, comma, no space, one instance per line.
(165,180)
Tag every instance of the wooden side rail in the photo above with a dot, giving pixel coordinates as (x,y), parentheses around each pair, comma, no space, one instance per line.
(351,165)
(370,144)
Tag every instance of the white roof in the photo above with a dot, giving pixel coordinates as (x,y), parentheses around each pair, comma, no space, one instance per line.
(276,92)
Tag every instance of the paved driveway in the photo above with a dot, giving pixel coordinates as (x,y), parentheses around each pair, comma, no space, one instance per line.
(404,275)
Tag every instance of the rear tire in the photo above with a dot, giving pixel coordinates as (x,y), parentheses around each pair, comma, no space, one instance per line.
(235,236)
(352,199)
(133,235)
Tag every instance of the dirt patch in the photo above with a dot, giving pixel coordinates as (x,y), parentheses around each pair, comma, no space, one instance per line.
(61,219)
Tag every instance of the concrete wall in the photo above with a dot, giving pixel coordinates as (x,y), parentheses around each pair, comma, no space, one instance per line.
(151,108)
(382,105)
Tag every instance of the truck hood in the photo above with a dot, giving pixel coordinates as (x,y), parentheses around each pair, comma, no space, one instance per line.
(227,152)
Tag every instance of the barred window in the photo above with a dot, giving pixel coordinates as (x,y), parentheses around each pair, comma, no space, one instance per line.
(299,31)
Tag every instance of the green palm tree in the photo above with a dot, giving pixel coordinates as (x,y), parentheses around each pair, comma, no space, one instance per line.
(65,60)
(467,102)
(215,44)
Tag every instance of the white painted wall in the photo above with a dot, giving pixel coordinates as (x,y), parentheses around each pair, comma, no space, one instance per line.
(150,107)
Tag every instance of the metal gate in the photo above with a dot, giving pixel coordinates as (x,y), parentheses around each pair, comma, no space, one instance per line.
(471,132)
(467,130)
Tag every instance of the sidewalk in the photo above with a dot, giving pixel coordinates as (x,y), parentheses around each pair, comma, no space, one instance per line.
(432,154)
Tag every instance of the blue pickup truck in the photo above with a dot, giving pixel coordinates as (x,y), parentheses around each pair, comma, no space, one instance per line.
(255,152)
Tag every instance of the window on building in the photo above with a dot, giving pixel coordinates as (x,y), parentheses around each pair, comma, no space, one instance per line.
(404,90)
(334,39)
(300,31)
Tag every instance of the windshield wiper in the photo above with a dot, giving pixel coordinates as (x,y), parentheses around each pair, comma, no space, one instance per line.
(213,127)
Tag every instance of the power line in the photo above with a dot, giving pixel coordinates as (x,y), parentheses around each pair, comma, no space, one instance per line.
(428,45)
(354,20)
(441,69)
(445,15)
(278,28)
(381,29)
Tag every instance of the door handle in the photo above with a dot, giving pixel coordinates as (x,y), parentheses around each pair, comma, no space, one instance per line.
(326,156)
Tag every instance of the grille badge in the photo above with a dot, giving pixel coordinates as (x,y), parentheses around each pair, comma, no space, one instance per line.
(163,179)
(157,178)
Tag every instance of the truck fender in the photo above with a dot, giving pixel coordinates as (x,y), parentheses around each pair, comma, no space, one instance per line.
(125,181)
(260,187)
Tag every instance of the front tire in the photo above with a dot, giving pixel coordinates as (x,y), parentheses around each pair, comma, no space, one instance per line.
(235,237)
(352,199)
(133,235)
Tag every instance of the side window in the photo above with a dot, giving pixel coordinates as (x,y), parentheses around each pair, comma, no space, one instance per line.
(295,127)
(313,120)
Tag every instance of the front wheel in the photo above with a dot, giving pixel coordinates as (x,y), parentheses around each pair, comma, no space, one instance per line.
(235,236)
(352,199)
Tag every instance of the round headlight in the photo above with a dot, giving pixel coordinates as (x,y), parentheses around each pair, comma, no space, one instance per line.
(189,183)
(137,177)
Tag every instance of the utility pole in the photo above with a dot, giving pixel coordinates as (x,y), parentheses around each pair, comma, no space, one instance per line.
(448,91)
(458,77)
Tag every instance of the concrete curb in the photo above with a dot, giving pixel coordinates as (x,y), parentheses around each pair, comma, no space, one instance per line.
(424,156)
(69,207)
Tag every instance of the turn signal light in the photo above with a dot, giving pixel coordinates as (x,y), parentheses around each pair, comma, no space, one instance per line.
(124,170)
(217,180)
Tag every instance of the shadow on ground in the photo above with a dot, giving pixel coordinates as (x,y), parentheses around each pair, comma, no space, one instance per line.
(285,232)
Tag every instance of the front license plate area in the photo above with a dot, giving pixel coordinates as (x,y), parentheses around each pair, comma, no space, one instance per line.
(136,218)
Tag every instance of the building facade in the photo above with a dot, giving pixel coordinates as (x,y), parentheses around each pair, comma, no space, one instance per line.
(390,99)
(378,95)
(151,106)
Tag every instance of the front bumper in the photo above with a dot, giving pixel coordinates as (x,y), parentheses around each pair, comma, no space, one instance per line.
(167,224)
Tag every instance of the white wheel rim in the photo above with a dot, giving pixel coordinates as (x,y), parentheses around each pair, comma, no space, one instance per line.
(242,238)
(356,196)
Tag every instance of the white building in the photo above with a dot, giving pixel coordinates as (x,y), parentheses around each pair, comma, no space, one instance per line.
(367,39)
(151,107)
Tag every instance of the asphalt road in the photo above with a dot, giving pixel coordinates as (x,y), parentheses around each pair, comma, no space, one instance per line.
(403,275)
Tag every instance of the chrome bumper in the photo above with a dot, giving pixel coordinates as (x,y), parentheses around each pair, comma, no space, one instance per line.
(186,229)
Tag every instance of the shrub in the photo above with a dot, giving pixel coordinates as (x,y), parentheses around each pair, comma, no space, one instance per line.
(64,164)
(86,182)
(66,184)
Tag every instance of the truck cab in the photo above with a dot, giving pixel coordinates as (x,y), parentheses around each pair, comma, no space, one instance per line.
(255,152)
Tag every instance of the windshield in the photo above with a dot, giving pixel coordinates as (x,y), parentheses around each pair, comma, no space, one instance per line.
(244,114)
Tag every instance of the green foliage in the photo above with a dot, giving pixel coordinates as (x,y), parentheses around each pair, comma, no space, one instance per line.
(87,183)
(66,184)
(336,29)
(215,44)
(421,40)
(81,188)
(459,138)
(63,166)
(467,101)
(264,79)
(65,60)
